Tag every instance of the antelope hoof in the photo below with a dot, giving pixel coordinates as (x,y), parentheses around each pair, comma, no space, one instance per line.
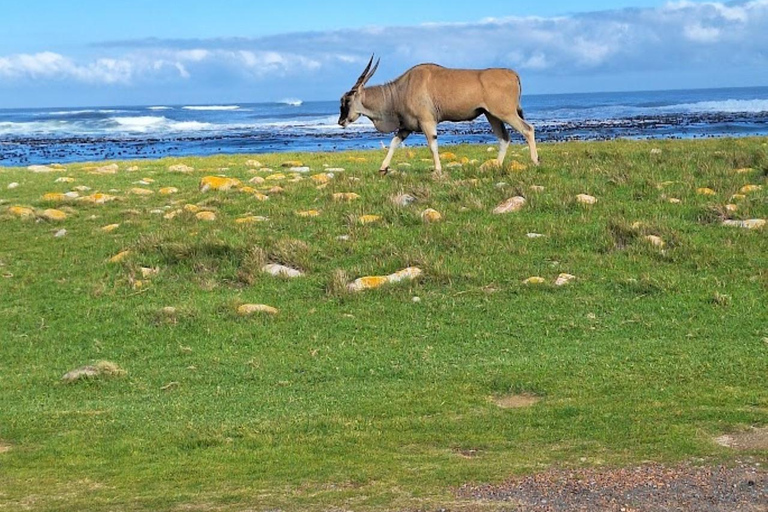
(384,171)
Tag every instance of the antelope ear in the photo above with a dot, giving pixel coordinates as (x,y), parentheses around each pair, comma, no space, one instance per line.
(364,75)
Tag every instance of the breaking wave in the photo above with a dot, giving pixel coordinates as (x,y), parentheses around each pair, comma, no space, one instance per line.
(212,107)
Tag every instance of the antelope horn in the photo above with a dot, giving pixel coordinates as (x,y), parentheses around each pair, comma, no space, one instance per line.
(364,76)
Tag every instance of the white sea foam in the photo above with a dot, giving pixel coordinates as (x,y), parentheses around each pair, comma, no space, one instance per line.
(81,112)
(212,107)
(156,124)
(159,108)
(294,102)
(727,106)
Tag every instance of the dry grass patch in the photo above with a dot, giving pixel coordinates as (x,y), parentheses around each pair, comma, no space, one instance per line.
(516,401)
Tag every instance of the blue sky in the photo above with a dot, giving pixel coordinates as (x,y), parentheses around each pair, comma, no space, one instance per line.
(94,52)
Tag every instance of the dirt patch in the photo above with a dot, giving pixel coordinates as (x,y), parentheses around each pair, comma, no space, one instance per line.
(4,448)
(647,488)
(515,401)
(752,439)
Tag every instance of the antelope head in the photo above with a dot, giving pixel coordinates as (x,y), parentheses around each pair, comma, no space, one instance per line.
(351,104)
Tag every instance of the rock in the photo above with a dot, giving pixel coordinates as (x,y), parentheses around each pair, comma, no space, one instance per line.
(168,310)
(746,189)
(181,168)
(368,219)
(101,368)
(206,216)
(489,165)
(403,199)
(744,170)
(166,191)
(147,272)
(731,208)
(513,204)
(536,188)
(276,269)
(53,215)
(534,235)
(292,163)
(514,165)
(82,188)
(704,191)
(738,197)
(655,151)
(132,168)
(97,198)
(218,183)
(564,279)
(23,212)
(276,190)
(191,208)
(117,258)
(431,215)
(308,213)
(249,309)
(453,165)
(254,163)
(370,282)
(251,219)
(335,169)
(257,180)
(674,200)
(41,168)
(586,199)
(746,224)
(109,228)
(276,177)
(655,241)
(448,156)
(55,197)
(345,196)
(137,191)
(12,185)
(302,169)
(534,280)
(321,179)
(106,169)
(60,233)
(64,179)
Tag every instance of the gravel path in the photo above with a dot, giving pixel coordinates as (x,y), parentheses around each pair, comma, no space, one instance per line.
(647,488)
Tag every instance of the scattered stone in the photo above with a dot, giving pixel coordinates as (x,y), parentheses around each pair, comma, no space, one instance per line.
(54,197)
(415,299)
(513,204)
(738,197)
(371,282)
(166,191)
(12,185)
(137,191)
(53,215)
(64,179)
(302,169)
(514,165)
(23,212)
(744,170)
(586,199)
(132,168)
(746,189)
(368,219)
(431,215)
(81,188)
(109,228)
(97,198)
(276,177)
(335,169)
(206,216)
(276,190)
(731,208)
(704,191)
(249,309)
(191,208)
(218,183)
(746,224)
(536,188)
(60,233)
(655,151)
(403,199)
(251,219)
(257,180)
(534,235)
(168,310)
(564,279)
(41,168)
(181,168)
(276,269)
(655,241)
(100,369)
(489,165)
(345,196)
(674,200)
(308,213)
(534,280)
(254,163)
(117,258)
(292,163)
(106,169)
(448,156)
(147,272)
(321,179)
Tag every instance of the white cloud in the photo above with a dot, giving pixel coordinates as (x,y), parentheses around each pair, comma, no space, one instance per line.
(702,34)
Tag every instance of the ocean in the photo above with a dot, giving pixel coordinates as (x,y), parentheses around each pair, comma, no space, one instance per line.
(42,136)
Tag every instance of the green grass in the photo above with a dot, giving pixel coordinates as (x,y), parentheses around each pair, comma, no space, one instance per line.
(371,400)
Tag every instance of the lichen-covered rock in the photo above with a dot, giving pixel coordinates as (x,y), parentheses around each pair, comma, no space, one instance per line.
(218,183)
(276,269)
(138,191)
(534,280)
(181,168)
(368,219)
(117,258)
(655,241)
(586,199)
(746,224)
(23,212)
(251,219)
(345,196)
(431,215)
(704,191)
(371,282)
(166,191)
(746,189)
(250,309)
(403,199)
(106,169)
(564,279)
(206,216)
(64,179)
(308,213)
(254,163)
(97,198)
(292,163)
(109,228)
(513,204)
(53,215)
(100,369)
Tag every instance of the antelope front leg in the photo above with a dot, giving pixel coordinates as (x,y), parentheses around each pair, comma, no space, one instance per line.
(430,132)
(396,140)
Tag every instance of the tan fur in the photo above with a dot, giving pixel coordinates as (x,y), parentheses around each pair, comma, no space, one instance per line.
(427,94)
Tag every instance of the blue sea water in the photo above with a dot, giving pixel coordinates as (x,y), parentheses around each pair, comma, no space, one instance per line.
(40,136)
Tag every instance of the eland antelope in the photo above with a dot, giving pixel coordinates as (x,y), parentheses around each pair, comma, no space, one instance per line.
(427,94)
